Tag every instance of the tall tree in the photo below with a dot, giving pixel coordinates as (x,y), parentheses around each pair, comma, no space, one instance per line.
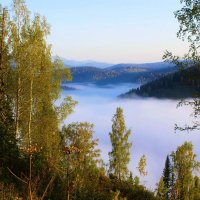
(36,87)
(119,157)
(81,159)
(37,82)
(167,177)
(184,165)
(8,147)
(18,45)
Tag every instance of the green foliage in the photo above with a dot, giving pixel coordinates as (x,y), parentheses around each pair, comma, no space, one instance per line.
(136,180)
(36,84)
(9,152)
(40,161)
(178,180)
(184,165)
(4,65)
(161,191)
(80,135)
(36,161)
(168,177)
(65,108)
(142,165)
(129,191)
(119,157)
(81,158)
(196,194)
(189,20)
(164,188)
(29,87)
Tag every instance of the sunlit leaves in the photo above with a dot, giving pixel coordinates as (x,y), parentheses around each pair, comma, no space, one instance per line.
(184,166)
(119,157)
(142,165)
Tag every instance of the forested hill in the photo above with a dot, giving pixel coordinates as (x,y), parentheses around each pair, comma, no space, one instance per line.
(98,75)
(121,73)
(181,84)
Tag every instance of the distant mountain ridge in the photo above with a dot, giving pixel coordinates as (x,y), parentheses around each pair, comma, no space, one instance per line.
(75,63)
(122,74)
(155,65)
(100,64)
(106,73)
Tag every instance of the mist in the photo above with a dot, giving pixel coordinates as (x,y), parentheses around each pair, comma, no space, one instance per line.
(152,122)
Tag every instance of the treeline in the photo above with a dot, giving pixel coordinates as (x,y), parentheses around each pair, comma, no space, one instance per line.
(182,84)
(91,74)
(122,73)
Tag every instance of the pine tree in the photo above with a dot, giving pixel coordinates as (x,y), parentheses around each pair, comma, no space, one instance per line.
(167,176)
(119,157)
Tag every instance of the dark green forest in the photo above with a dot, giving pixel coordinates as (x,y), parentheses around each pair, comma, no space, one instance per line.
(182,84)
(42,159)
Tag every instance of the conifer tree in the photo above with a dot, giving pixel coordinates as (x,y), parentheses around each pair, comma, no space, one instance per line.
(167,176)
(119,157)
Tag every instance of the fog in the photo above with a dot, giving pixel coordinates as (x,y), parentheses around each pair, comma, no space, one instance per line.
(152,122)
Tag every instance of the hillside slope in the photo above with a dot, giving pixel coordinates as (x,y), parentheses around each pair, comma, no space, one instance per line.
(181,84)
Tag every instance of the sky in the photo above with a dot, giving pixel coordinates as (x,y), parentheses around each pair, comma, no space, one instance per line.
(113,31)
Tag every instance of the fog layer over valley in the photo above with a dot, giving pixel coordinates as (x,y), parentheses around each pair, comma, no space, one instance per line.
(152,122)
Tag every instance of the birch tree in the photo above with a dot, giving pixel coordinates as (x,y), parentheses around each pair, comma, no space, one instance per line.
(36,87)
(119,157)
(184,165)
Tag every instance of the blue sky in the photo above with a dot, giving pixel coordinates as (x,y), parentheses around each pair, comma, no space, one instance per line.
(113,31)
